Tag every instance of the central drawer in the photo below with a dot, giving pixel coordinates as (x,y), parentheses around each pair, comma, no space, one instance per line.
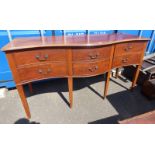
(39,55)
(93,68)
(93,54)
(34,72)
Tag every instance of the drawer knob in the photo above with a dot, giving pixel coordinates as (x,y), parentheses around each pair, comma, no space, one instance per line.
(94,68)
(94,56)
(125,60)
(49,70)
(40,71)
(37,56)
(45,71)
(127,48)
(45,57)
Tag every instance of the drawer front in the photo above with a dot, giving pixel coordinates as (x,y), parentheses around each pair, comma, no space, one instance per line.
(126,60)
(94,68)
(35,72)
(86,54)
(130,47)
(40,55)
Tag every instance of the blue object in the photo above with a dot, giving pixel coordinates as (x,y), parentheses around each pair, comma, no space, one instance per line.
(146,34)
(48,33)
(152,43)
(58,32)
(101,31)
(6,79)
(74,32)
(24,33)
(133,32)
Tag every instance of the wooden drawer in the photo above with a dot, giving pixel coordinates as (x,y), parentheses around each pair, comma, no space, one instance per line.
(39,55)
(130,47)
(125,60)
(94,68)
(34,72)
(91,53)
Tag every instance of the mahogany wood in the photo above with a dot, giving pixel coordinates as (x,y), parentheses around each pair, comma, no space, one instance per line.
(109,72)
(36,72)
(106,84)
(33,59)
(138,67)
(70,87)
(24,101)
(70,41)
(90,68)
(129,48)
(126,60)
(70,78)
(135,76)
(37,56)
(91,54)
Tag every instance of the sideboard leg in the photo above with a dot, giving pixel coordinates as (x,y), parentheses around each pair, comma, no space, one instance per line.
(24,101)
(117,73)
(70,86)
(30,88)
(106,84)
(135,76)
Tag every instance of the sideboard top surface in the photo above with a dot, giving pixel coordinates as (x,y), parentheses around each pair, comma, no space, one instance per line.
(70,41)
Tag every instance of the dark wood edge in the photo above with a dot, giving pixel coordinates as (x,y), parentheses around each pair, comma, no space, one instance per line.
(55,77)
(5,49)
(115,67)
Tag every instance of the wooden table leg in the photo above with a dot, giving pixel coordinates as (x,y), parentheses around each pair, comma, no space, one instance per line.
(30,88)
(24,101)
(117,73)
(70,86)
(106,84)
(135,76)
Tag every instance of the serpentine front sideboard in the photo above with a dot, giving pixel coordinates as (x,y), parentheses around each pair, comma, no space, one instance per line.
(37,58)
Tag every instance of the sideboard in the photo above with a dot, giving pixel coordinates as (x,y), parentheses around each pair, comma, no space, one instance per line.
(37,58)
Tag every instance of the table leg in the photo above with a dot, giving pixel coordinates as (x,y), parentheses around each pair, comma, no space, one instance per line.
(106,84)
(135,76)
(117,73)
(70,86)
(30,88)
(24,101)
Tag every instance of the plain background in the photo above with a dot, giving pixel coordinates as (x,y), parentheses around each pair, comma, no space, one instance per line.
(76,139)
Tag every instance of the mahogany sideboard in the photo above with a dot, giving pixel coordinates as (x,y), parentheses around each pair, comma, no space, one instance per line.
(37,58)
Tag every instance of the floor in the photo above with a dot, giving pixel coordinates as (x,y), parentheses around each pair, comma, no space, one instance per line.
(49,103)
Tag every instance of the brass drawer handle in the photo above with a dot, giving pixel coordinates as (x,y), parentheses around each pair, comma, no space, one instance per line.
(94,68)
(128,48)
(45,57)
(125,60)
(49,70)
(94,56)
(45,72)
(40,71)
